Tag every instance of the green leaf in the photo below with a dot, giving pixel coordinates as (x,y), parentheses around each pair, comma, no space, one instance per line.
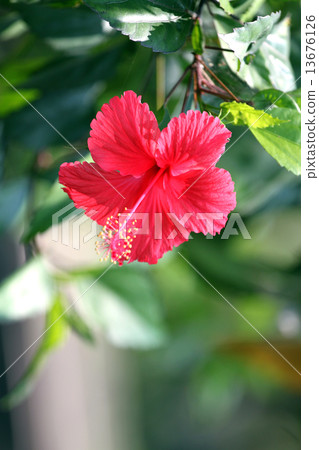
(198,42)
(227,7)
(278,243)
(253,8)
(13,195)
(276,51)
(124,304)
(247,39)
(43,218)
(69,111)
(78,325)
(270,66)
(27,292)
(269,98)
(282,141)
(243,114)
(255,74)
(63,4)
(296,95)
(55,334)
(163,117)
(11,102)
(69,29)
(25,63)
(238,86)
(163,26)
(75,71)
(178,5)
(241,6)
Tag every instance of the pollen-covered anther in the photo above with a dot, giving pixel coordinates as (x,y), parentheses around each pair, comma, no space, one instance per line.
(116,240)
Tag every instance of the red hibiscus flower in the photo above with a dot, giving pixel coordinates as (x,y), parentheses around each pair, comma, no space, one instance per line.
(149,188)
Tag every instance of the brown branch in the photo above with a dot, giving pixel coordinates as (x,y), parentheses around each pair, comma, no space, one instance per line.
(206,81)
(215,93)
(219,81)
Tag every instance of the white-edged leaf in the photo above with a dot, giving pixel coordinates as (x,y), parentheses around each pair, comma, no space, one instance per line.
(275,51)
(269,65)
(163,25)
(247,39)
(254,74)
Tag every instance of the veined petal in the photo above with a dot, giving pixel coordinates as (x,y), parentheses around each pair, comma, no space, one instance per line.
(124,135)
(158,232)
(192,141)
(205,201)
(99,193)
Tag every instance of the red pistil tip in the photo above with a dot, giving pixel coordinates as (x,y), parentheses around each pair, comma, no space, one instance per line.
(115,241)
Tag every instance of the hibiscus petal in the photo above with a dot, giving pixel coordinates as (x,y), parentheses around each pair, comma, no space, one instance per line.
(192,141)
(124,135)
(207,199)
(99,193)
(158,232)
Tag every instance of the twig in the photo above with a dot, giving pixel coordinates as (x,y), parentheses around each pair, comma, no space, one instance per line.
(219,81)
(209,10)
(176,84)
(204,80)
(187,91)
(195,88)
(217,94)
(200,7)
(211,47)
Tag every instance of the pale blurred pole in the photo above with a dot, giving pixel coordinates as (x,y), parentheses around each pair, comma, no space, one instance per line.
(86,397)
(160,80)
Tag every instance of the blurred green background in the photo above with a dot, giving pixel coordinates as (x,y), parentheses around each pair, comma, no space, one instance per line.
(150,357)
